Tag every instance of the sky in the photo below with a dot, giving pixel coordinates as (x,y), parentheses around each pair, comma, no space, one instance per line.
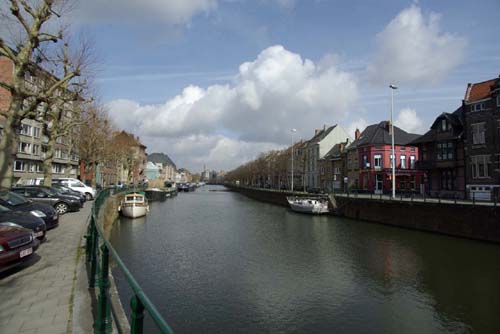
(216,82)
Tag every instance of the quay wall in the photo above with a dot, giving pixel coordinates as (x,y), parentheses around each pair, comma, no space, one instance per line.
(478,222)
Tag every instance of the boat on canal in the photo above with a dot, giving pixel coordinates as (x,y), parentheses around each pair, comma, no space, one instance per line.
(134,205)
(308,205)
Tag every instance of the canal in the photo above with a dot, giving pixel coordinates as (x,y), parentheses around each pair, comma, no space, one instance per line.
(214,261)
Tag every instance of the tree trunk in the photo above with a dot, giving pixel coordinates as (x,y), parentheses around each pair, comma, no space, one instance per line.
(8,147)
(47,162)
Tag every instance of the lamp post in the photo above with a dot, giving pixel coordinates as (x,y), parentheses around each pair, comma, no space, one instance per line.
(393,160)
(293,130)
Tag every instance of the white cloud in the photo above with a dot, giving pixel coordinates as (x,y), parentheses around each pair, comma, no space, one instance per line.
(274,93)
(412,49)
(166,11)
(409,121)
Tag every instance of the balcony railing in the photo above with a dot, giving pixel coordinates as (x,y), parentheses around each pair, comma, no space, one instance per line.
(98,253)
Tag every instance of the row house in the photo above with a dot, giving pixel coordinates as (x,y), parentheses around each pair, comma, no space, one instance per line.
(481,111)
(375,159)
(352,163)
(441,156)
(333,168)
(317,147)
(32,144)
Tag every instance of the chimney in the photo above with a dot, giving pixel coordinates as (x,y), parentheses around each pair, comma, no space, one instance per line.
(316,131)
(357,133)
(324,127)
(389,127)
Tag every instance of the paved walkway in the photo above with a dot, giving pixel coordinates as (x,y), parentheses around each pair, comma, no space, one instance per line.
(39,297)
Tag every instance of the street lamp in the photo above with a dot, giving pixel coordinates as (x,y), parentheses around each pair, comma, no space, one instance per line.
(293,130)
(393,87)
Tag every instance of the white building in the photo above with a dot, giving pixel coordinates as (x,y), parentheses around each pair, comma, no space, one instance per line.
(317,147)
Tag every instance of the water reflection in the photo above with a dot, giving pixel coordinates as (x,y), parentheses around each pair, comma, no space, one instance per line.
(218,262)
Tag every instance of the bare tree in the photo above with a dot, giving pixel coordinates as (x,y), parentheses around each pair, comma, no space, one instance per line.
(25,99)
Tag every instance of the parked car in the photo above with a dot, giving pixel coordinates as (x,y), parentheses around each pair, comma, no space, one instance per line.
(55,190)
(62,203)
(16,202)
(16,245)
(65,190)
(24,219)
(77,185)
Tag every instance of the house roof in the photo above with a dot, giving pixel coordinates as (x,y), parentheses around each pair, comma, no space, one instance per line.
(379,134)
(455,118)
(336,151)
(480,91)
(321,134)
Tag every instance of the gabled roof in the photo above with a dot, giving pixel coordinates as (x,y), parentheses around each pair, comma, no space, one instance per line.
(480,91)
(336,151)
(321,135)
(455,118)
(379,134)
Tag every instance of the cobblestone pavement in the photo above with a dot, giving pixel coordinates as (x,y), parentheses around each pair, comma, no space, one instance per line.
(38,297)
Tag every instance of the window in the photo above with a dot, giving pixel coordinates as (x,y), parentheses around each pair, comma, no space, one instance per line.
(478,131)
(25,129)
(402,160)
(498,100)
(448,179)
(478,106)
(336,170)
(403,148)
(444,126)
(392,160)
(479,165)
(377,161)
(36,149)
(497,161)
(412,149)
(24,147)
(366,164)
(57,169)
(58,153)
(20,166)
(36,132)
(445,151)
(412,161)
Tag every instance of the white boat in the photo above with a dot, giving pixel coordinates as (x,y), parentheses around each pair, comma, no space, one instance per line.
(308,205)
(134,205)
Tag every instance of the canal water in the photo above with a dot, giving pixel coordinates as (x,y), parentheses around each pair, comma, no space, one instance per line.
(214,261)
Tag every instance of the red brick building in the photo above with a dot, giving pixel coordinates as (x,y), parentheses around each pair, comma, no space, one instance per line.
(374,159)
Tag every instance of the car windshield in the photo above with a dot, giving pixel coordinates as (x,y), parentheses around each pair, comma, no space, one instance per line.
(12,199)
(3,209)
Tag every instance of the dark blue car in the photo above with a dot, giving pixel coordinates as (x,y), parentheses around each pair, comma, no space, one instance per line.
(23,219)
(19,203)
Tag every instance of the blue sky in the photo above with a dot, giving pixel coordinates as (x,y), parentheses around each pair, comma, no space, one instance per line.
(171,71)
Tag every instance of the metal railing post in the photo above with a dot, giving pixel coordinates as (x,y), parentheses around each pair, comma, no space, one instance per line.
(103,321)
(94,241)
(137,324)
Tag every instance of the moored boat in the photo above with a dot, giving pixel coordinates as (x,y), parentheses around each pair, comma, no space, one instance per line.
(156,194)
(308,205)
(134,205)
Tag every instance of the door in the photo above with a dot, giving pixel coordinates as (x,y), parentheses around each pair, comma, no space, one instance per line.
(379,184)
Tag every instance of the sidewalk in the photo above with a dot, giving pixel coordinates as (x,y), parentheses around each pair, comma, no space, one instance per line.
(39,298)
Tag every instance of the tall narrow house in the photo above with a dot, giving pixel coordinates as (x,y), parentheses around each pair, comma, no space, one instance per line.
(481,108)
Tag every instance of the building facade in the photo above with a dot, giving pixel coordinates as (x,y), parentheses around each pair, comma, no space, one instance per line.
(481,109)
(334,168)
(441,156)
(375,160)
(317,147)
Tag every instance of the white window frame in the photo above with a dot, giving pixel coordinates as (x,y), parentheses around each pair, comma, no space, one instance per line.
(377,161)
(36,132)
(26,129)
(36,149)
(392,160)
(402,162)
(413,158)
(23,147)
(478,136)
(478,106)
(24,166)
(475,164)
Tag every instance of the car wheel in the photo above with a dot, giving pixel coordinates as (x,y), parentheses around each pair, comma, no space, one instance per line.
(88,196)
(61,208)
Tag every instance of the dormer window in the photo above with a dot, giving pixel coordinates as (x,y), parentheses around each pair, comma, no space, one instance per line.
(478,106)
(444,125)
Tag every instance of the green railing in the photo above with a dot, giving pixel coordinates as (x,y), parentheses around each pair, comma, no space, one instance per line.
(98,253)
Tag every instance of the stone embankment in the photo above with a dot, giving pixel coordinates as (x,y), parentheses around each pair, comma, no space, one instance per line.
(478,221)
